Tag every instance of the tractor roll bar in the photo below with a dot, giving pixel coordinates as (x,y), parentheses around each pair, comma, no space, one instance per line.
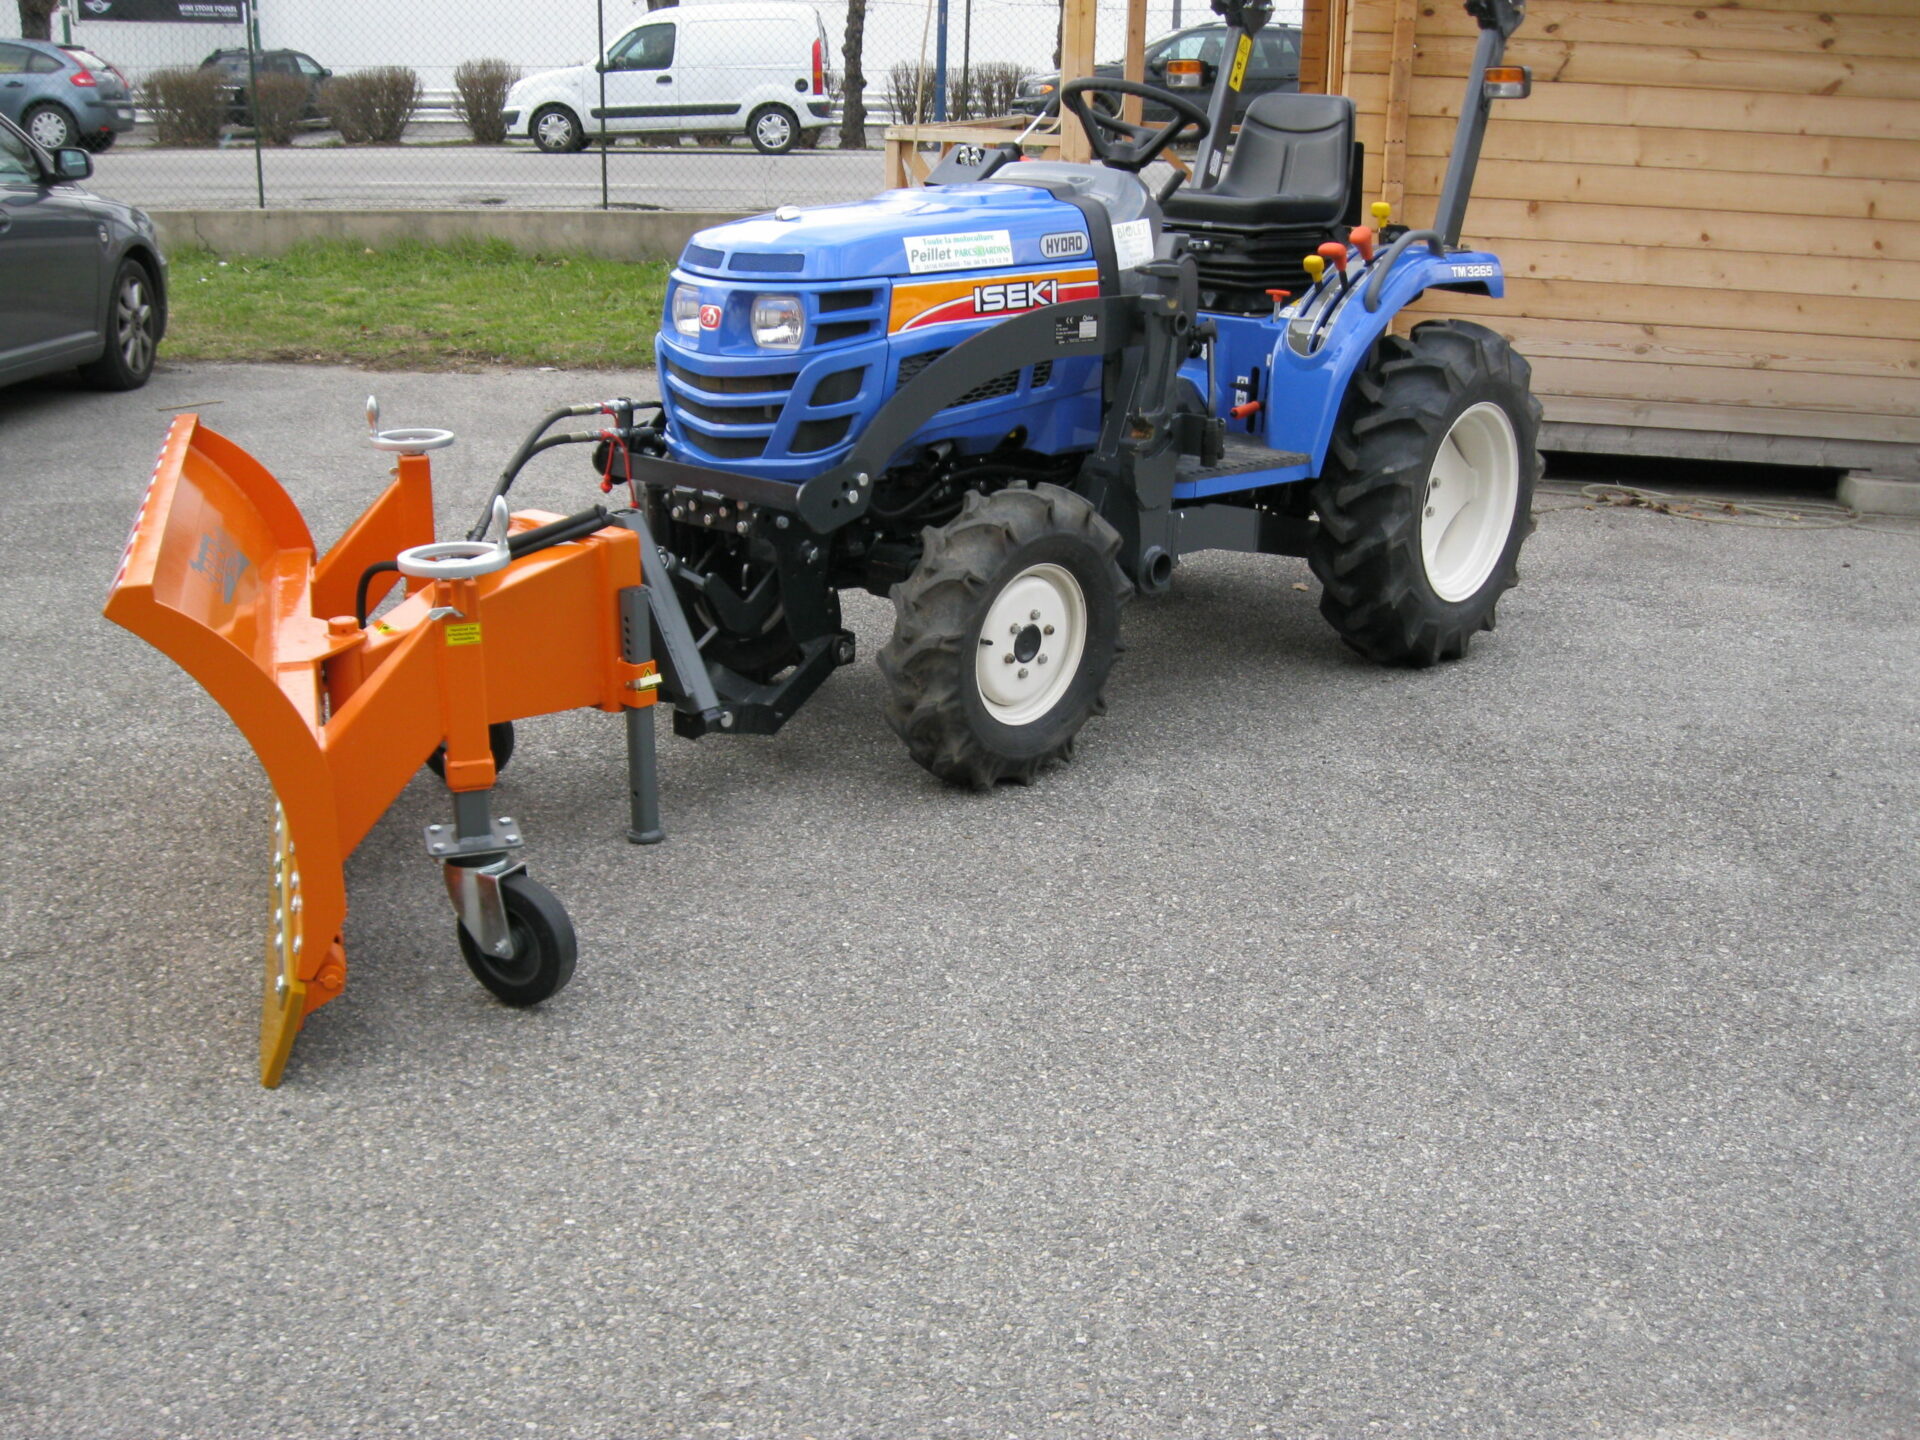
(1498,20)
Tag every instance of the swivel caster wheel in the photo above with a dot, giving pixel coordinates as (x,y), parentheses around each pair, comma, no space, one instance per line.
(541,940)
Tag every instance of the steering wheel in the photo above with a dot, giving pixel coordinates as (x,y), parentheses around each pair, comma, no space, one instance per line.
(1142,144)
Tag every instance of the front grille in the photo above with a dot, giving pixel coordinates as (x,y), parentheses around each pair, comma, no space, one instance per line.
(832,300)
(810,436)
(728,447)
(1042,374)
(728,414)
(839,388)
(748,263)
(734,384)
(994,389)
(829,331)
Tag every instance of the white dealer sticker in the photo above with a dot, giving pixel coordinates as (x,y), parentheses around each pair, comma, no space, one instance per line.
(978,251)
(1133,243)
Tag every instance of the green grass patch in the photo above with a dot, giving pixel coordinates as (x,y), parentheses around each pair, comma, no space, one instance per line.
(415,307)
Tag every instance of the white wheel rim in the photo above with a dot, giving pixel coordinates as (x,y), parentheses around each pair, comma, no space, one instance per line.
(50,130)
(774,129)
(1470,495)
(556,129)
(1030,645)
(135,325)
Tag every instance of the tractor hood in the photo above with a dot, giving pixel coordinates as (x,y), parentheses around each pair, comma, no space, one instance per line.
(904,233)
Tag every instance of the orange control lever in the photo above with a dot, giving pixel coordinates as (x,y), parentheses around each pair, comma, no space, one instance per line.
(1335,254)
(1361,238)
(1241,412)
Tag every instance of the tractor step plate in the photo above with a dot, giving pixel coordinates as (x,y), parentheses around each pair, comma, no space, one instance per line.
(1246,465)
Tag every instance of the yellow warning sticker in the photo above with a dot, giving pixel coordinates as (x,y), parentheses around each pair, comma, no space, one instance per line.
(467,634)
(1240,62)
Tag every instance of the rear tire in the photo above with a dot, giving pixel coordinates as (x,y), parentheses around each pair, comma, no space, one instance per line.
(101,143)
(544,948)
(1019,581)
(774,129)
(51,127)
(133,332)
(1428,493)
(557,130)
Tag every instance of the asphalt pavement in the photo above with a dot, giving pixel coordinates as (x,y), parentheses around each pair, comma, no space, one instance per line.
(1524,1047)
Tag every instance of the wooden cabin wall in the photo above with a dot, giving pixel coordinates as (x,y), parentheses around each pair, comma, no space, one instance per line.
(1709,213)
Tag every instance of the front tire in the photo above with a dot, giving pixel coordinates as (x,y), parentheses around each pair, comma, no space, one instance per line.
(51,127)
(133,332)
(557,131)
(1004,635)
(544,948)
(774,129)
(1428,493)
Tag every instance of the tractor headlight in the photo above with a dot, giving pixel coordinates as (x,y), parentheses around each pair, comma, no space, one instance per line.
(686,310)
(778,322)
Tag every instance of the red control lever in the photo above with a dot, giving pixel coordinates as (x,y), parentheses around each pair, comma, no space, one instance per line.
(1361,238)
(1335,254)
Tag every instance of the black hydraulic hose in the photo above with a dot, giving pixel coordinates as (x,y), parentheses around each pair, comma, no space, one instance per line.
(529,447)
(1391,257)
(379,567)
(557,532)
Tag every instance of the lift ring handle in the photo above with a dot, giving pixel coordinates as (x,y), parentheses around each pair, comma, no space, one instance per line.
(411,442)
(459,559)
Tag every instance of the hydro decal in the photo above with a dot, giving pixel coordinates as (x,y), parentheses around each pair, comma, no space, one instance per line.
(952,302)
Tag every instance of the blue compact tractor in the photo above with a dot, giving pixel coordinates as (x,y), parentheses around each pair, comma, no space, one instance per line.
(1015,398)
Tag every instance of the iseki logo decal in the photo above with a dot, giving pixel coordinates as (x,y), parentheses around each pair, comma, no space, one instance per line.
(954,302)
(709,317)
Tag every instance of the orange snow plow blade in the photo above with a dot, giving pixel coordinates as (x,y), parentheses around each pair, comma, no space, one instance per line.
(220,573)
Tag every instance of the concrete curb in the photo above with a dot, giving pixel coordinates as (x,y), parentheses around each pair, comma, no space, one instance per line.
(604,234)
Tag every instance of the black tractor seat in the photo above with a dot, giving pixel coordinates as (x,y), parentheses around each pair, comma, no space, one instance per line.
(1292,183)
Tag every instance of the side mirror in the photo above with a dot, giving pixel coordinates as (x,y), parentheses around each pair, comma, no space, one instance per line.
(72,164)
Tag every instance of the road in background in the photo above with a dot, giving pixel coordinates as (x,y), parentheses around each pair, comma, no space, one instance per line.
(408,177)
(1526,1047)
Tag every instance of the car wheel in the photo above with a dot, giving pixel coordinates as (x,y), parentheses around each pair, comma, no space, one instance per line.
(51,127)
(773,129)
(557,131)
(133,332)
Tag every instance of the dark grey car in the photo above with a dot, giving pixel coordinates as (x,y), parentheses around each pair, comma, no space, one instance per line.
(63,96)
(82,281)
(1274,64)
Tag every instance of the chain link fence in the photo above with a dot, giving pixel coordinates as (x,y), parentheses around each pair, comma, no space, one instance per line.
(357,104)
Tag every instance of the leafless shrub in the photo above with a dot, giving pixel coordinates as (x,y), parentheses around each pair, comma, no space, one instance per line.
(371,107)
(188,106)
(279,104)
(910,92)
(989,89)
(480,98)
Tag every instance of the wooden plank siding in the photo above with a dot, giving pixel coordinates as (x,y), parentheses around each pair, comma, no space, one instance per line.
(1709,213)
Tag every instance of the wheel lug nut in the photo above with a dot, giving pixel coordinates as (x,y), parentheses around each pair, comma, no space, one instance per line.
(1021,673)
(1033,614)
(1013,629)
(1046,629)
(1009,658)
(1429,512)
(1042,660)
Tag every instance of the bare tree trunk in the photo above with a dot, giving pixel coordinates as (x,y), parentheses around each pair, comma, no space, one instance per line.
(653,5)
(36,19)
(853,84)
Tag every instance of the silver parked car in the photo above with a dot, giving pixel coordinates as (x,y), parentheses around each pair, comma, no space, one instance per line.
(83,283)
(63,95)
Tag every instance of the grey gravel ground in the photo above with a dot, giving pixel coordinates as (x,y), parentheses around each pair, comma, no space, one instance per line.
(1521,1048)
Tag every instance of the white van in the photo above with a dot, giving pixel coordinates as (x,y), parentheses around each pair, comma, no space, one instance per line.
(758,69)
